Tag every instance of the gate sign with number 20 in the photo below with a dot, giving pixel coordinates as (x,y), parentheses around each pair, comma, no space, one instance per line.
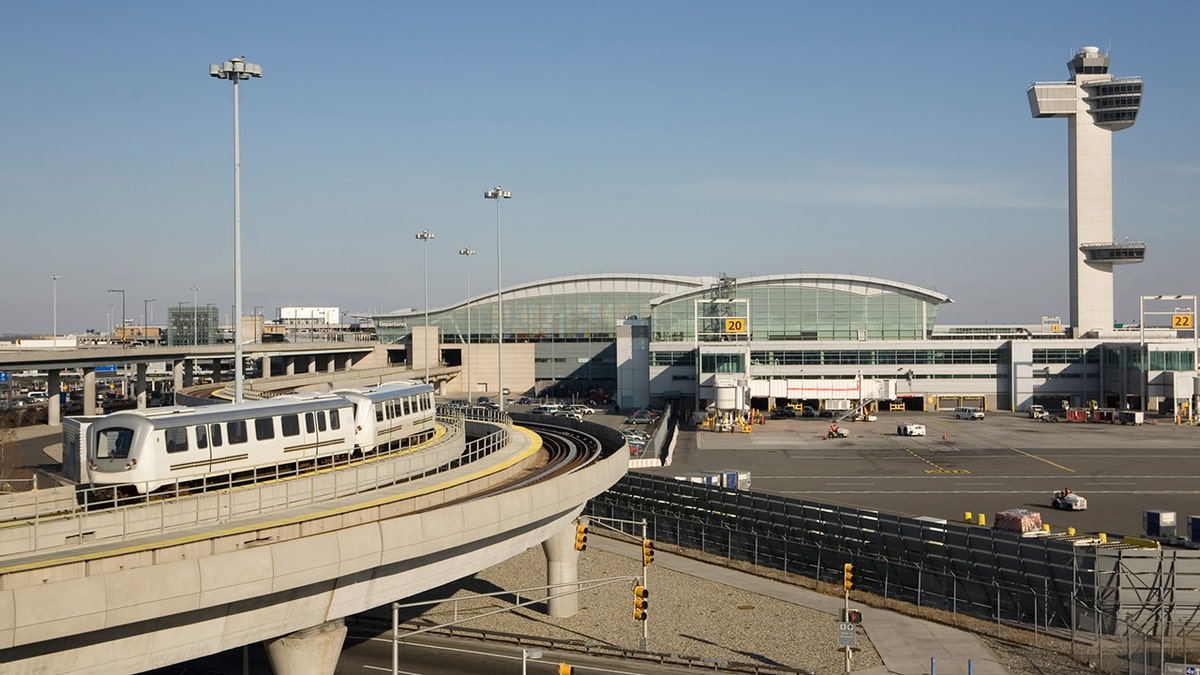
(735,325)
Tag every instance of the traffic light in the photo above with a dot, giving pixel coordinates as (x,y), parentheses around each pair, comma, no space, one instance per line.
(647,552)
(640,603)
(848,577)
(580,536)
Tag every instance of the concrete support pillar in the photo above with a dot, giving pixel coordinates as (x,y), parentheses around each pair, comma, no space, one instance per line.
(177,373)
(562,567)
(216,370)
(265,366)
(289,365)
(312,363)
(89,391)
(313,651)
(53,396)
(140,387)
(330,363)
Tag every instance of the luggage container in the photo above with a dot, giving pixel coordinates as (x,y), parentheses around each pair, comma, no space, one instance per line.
(1159,523)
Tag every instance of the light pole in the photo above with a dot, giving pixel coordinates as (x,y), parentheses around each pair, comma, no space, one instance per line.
(122,292)
(235,70)
(468,252)
(54,304)
(146,320)
(425,236)
(195,318)
(499,193)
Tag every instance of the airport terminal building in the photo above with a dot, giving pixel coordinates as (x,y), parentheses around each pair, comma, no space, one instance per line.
(815,338)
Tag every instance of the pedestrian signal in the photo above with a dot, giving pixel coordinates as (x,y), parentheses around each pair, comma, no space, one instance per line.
(848,577)
(853,615)
(580,536)
(647,552)
(640,603)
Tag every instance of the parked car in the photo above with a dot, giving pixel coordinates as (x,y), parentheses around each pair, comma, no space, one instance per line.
(582,409)
(808,411)
(640,417)
(572,414)
(632,435)
(782,413)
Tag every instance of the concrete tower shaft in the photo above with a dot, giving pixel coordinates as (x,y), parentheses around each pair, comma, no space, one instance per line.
(1095,105)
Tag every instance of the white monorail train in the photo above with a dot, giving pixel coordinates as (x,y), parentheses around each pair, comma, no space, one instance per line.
(150,448)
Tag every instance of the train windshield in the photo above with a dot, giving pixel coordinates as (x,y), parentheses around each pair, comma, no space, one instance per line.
(113,443)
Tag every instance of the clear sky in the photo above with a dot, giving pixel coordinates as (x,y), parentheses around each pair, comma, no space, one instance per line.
(886,139)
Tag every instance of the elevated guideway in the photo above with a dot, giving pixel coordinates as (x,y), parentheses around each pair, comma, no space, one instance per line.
(139,587)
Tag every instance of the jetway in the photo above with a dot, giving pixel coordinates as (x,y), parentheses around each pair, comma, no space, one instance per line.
(856,389)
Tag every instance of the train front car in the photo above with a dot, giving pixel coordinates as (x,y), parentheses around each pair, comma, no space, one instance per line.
(220,444)
(121,451)
(393,415)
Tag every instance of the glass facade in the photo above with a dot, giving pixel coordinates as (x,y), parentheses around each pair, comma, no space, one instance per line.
(795,311)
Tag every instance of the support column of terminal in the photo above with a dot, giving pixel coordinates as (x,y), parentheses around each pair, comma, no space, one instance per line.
(289,365)
(265,366)
(53,398)
(562,567)
(313,651)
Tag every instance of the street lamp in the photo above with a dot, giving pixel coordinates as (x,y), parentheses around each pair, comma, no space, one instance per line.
(54,303)
(195,318)
(468,252)
(235,70)
(499,193)
(146,320)
(425,236)
(122,292)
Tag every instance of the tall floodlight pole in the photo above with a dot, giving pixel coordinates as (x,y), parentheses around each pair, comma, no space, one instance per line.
(499,193)
(235,70)
(425,236)
(195,317)
(122,292)
(54,304)
(468,252)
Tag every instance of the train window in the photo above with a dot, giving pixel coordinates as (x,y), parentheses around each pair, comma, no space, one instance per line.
(264,428)
(335,419)
(290,424)
(407,403)
(215,432)
(309,424)
(177,440)
(321,420)
(201,437)
(378,413)
(114,443)
(237,431)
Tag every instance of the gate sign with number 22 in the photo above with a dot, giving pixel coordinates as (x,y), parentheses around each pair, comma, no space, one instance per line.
(1178,321)
(735,325)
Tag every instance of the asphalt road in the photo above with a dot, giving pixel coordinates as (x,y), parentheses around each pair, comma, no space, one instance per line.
(1004,461)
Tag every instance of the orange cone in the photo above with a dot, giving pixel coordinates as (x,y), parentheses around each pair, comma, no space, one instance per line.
(943,436)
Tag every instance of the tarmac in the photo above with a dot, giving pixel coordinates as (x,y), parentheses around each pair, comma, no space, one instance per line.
(907,646)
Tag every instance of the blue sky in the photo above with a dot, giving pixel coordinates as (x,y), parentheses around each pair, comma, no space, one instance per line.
(891,140)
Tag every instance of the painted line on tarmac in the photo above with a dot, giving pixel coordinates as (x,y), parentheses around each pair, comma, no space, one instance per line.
(1019,451)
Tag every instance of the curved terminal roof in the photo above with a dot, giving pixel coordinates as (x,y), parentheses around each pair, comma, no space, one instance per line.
(846,283)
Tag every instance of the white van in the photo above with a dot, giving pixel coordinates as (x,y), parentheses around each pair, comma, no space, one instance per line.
(968,413)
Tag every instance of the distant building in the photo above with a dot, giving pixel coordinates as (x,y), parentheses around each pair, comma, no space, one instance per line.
(188,325)
(310,316)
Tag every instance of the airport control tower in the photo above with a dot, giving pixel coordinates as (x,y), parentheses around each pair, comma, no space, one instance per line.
(1095,104)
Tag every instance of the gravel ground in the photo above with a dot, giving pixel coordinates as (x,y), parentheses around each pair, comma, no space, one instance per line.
(699,618)
(688,616)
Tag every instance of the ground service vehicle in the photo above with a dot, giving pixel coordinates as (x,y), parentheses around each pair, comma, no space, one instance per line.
(1068,501)
(1037,412)
(148,449)
(967,413)
(911,429)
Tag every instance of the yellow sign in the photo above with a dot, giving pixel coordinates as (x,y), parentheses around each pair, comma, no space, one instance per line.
(735,325)
(1181,321)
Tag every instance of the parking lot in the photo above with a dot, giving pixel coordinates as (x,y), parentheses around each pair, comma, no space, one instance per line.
(1004,461)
